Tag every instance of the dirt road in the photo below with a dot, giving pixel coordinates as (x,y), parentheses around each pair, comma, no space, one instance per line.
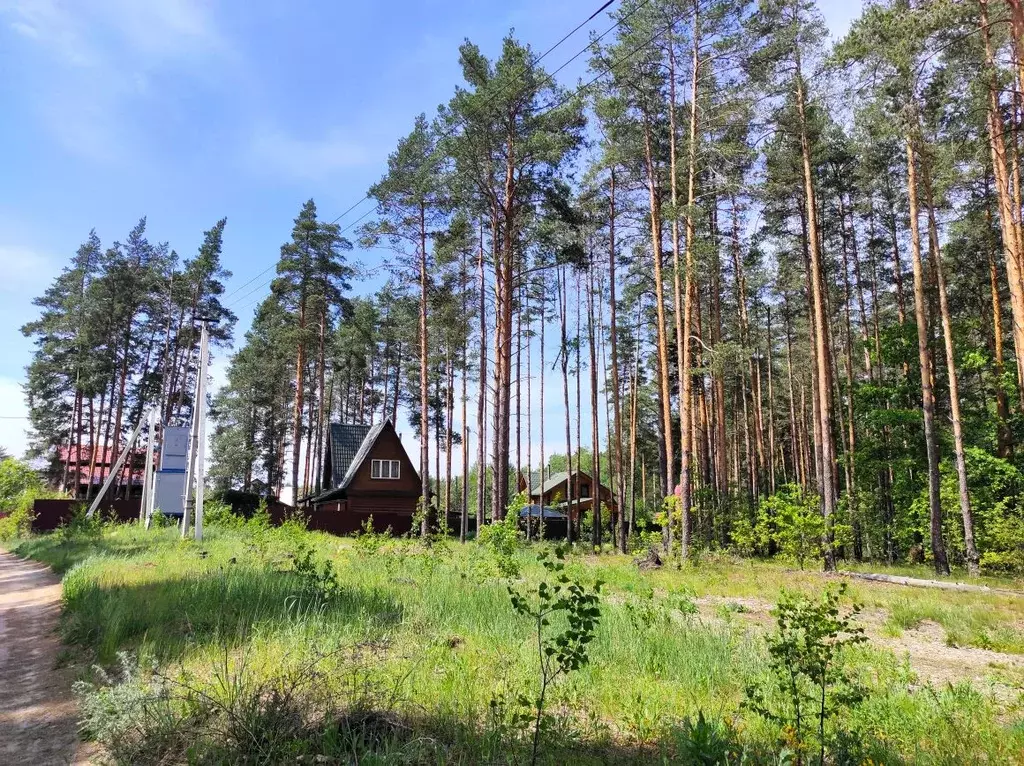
(37,711)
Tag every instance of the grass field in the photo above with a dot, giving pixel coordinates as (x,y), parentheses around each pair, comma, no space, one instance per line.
(219,653)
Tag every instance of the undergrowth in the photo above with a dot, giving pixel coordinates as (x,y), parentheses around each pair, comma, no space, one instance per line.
(196,644)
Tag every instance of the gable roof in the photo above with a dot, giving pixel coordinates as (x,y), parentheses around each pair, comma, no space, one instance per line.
(364,449)
(554,480)
(346,441)
(350,445)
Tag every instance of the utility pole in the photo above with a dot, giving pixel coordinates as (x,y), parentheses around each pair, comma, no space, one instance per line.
(196,453)
(146,507)
(116,468)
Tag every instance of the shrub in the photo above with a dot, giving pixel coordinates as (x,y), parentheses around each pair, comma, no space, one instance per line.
(502,539)
(567,651)
(810,684)
(20,486)
(79,526)
(795,522)
(790,520)
(221,515)
(368,542)
(319,579)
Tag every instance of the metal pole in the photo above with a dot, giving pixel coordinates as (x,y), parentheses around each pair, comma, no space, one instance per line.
(193,440)
(200,470)
(116,469)
(147,477)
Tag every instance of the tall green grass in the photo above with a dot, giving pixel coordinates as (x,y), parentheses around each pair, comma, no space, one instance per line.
(444,650)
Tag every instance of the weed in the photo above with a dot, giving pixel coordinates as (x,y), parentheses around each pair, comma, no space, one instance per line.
(502,540)
(564,652)
(810,683)
(317,574)
(706,742)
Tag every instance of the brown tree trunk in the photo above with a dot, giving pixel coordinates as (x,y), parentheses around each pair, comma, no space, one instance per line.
(563,289)
(823,365)
(924,357)
(300,371)
(1009,212)
(620,490)
(595,434)
(424,385)
(481,406)
(970,549)
(659,293)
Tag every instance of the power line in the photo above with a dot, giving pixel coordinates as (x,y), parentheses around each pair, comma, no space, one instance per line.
(549,78)
(534,63)
(523,71)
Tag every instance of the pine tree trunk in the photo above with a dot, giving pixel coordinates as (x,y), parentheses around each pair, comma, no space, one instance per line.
(424,391)
(1009,212)
(823,365)
(464,374)
(300,371)
(543,373)
(1003,437)
(620,495)
(659,292)
(924,357)
(564,354)
(449,413)
(481,407)
(684,312)
(595,482)
(970,549)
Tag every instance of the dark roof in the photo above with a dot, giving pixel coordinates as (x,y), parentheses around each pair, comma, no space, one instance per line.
(364,449)
(535,510)
(556,479)
(346,439)
(350,446)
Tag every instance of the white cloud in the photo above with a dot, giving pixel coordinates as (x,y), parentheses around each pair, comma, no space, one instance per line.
(13,417)
(277,152)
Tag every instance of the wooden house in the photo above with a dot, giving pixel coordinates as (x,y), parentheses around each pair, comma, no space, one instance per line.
(367,473)
(555,490)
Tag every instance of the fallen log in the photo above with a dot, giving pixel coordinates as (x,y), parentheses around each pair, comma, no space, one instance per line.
(916,582)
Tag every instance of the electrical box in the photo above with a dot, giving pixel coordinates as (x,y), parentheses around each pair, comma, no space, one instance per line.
(169,493)
(174,450)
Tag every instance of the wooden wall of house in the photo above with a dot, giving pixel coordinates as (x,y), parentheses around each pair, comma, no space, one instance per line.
(382,502)
(388,447)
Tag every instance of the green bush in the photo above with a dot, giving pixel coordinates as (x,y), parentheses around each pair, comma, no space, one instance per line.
(996,487)
(502,538)
(221,515)
(811,687)
(20,487)
(789,520)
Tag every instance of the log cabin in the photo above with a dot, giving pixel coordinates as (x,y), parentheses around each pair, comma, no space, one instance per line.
(368,473)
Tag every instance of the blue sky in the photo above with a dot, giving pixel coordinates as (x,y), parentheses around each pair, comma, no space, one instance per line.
(187,111)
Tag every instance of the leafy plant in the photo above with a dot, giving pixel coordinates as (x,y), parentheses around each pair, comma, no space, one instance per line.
(502,539)
(79,526)
(560,653)
(20,486)
(706,742)
(221,515)
(797,524)
(807,654)
(317,574)
(368,542)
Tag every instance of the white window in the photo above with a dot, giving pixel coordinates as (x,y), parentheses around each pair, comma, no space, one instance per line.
(385,469)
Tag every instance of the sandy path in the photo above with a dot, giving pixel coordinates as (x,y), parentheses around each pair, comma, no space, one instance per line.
(37,711)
